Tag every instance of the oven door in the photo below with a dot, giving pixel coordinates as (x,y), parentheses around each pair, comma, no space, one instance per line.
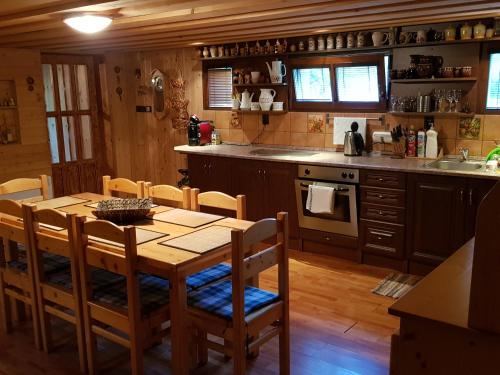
(344,219)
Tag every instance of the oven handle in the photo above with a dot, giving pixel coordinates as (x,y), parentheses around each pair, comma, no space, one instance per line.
(335,189)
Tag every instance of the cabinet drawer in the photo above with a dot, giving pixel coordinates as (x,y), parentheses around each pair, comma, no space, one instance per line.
(381,238)
(386,197)
(383,179)
(383,213)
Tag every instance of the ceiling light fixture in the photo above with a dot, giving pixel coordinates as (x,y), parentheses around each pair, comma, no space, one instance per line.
(88,24)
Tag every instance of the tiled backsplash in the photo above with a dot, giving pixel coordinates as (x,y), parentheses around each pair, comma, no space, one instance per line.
(316,129)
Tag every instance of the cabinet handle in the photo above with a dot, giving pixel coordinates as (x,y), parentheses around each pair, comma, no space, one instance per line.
(381,213)
(264,171)
(380,234)
(327,238)
(381,179)
(259,172)
(471,196)
(461,195)
(381,196)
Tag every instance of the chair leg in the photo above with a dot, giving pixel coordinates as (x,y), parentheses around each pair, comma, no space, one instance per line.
(5,305)
(239,356)
(36,322)
(80,338)
(284,339)
(136,358)
(91,347)
(202,347)
(256,351)
(46,330)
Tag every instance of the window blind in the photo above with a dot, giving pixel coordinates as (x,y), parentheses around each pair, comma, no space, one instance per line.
(357,83)
(312,85)
(220,87)
(493,96)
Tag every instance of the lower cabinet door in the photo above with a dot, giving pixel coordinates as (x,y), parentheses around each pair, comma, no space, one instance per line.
(382,238)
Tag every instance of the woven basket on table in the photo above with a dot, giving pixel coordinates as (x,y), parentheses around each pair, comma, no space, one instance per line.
(123,211)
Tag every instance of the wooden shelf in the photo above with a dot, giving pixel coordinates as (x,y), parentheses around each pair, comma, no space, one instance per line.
(350,50)
(261,112)
(8,107)
(433,114)
(433,80)
(259,84)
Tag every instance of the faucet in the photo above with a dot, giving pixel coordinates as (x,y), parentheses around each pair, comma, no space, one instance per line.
(464,154)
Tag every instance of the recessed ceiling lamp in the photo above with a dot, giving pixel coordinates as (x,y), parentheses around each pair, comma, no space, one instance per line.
(88,24)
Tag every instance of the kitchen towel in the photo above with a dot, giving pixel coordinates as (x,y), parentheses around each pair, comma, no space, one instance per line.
(343,124)
(320,199)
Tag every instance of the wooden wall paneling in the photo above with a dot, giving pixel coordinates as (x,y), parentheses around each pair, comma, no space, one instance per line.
(32,157)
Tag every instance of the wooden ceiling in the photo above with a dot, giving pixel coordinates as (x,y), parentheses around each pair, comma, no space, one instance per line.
(155,24)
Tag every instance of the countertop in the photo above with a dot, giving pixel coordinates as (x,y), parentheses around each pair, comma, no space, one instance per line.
(443,295)
(333,159)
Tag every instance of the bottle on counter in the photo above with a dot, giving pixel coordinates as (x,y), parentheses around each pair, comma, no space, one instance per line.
(421,137)
(411,149)
(431,145)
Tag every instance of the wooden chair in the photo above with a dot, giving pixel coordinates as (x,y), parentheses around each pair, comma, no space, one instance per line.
(24,184)
(136,307)
(16,269)
(122,185)
(169,193)
(239,313)
(217,199)
(58,293)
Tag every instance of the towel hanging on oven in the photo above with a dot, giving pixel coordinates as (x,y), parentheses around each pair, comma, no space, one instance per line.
(320,199)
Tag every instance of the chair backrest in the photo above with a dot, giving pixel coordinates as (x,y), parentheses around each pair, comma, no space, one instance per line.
(122,185)
(11,230)
(247,266)
(217,199)
(24,184)
(169,193)
(120,257)
(51,231)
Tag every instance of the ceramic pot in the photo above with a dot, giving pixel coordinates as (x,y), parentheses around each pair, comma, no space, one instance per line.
(206,52)
(379,38)
(351,40)
(266,98)
(391,36)
(490,33)
(450,33)
(421,36)
(330,42)
(479,31)
(339,41)
(361,40)
(311,44)
(220,51)
(213,51)
(466,32)
(321,43)
(301,45)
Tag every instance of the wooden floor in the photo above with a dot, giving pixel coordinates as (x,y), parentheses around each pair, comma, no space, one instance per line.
(338,327)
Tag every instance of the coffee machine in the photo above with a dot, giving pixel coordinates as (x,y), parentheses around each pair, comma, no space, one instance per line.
(193,131)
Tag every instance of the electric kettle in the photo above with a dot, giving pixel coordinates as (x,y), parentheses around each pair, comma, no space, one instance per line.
(353,141)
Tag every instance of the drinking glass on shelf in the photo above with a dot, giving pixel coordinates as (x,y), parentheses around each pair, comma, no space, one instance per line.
(393,103)
(457,96)
(450,99)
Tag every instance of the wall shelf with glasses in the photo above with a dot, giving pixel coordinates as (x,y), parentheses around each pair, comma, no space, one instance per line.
(433,80)
(9,117)
(259,84)
(260,112)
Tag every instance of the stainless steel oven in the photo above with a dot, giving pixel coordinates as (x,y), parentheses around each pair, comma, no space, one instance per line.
(344,219)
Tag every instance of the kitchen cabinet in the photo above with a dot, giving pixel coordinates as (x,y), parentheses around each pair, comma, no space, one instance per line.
(269,188)
(209,173)
(441,215)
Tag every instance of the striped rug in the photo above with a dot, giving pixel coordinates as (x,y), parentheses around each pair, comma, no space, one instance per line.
(396,285)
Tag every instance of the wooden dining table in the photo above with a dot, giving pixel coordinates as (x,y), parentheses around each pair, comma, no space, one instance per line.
(168,262)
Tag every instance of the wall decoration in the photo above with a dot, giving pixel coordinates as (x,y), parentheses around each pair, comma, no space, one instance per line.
(315,123)
(158,83)
(235,120)
(178,103)
(469,128)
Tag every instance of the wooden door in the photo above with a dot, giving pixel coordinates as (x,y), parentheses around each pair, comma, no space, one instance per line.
(72,122)
(198,172)
(436,217)
(247,179)
(476,191)
(219,174)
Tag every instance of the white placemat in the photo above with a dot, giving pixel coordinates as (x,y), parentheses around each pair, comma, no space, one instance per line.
(191,219)
(201,241)
(142,236)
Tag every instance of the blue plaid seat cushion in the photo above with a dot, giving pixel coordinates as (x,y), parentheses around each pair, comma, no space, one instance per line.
(217,299)
(51,263)
(153,291)
(208,276)
(100,278)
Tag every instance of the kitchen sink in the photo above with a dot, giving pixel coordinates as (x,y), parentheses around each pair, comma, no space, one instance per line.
(280,152)
(456,165)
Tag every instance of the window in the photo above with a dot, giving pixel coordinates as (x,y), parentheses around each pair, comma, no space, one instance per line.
(312,84)
(493,94)
(219,87)
(339,83)
(357,83)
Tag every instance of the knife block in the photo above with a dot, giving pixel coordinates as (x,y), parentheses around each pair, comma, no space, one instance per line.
(484,305)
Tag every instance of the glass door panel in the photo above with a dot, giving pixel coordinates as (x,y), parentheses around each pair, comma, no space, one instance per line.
(48,84)
(54,144)
(82,87)
(69,136)
(64,81)
(86,131)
